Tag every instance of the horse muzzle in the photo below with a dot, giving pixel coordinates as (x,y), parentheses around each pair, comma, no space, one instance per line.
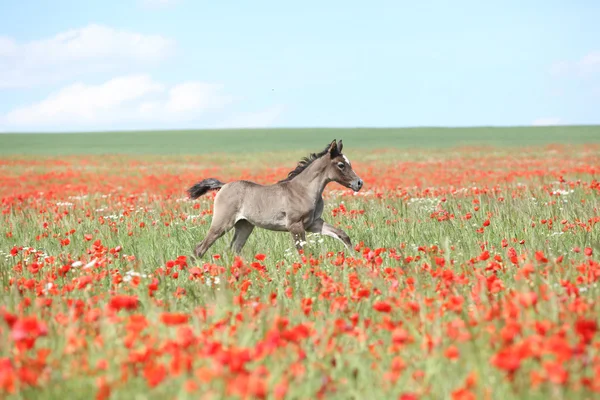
(357,185)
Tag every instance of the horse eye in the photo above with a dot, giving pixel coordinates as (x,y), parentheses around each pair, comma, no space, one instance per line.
(341,165)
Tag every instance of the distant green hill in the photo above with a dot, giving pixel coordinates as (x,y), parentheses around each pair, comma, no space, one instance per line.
(257,140)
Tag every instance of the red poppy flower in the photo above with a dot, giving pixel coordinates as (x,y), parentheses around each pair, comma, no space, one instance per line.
(171,319)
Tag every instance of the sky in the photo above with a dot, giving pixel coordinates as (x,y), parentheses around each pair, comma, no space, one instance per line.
(183,64)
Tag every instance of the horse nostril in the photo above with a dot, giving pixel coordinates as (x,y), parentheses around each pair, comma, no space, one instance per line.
(360,183)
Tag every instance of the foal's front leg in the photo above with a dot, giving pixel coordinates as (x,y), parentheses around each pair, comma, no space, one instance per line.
(298,235)
(322,227)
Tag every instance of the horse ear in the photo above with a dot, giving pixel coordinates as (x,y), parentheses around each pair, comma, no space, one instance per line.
(340,146)
(333,149)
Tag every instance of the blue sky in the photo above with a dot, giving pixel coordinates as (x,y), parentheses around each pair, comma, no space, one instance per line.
(156,64)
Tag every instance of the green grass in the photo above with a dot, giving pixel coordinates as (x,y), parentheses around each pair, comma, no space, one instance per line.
(151,228)
(239,141)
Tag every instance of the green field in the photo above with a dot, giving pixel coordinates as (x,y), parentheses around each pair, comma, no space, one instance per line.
(256,140)
(474,273)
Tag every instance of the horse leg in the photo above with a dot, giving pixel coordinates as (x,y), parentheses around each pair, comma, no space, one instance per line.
(322,227)
(219,226)
(243,229)
(298,235)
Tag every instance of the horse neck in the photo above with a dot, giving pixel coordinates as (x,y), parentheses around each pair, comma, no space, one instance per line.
(313,179)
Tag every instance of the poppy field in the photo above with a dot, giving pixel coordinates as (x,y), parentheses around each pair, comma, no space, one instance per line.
(474,276)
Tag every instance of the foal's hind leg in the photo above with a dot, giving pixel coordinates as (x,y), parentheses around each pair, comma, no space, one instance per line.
(219,226)
(243,229)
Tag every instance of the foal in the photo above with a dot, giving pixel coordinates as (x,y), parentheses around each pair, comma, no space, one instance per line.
(294,204)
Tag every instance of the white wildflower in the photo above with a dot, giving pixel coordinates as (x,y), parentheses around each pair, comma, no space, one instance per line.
(47,287)
(133,273)
(563,192)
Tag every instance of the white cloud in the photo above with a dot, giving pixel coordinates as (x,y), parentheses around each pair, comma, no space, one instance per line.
(590,63)
(74,52)
(257,119)
(585,66)
(549,121)
(134,99)
(192,96)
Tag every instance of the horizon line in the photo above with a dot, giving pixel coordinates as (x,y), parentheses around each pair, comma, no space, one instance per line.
(56,132)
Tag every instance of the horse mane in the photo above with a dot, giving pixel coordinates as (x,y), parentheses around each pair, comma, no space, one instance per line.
(304,163)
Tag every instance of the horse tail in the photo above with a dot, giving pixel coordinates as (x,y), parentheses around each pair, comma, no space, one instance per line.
(204,186)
